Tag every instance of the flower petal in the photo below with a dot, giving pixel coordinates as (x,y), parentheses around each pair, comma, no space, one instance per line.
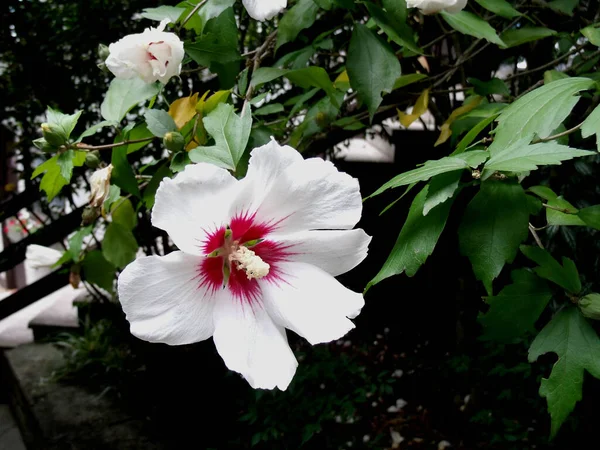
(163,300)
(251,344)
(311,303)
(334,251)
(39,256)
(311,194)
(266,164)
(193,203)
(458,6)
(264,9)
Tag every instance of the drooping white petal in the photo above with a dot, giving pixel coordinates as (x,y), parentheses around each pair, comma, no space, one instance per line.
(264,9)
(311,303)
(311,194)
(252,345)
(459,5)
(39,256)
(163,300)
(193,203)
(334,251)
(265,165)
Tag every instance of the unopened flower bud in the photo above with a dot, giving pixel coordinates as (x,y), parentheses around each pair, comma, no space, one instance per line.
(92,159)
(90,213)
(173,141)
(100,186)
(43,145)
(54,135)
(75,276)
(590,306)
(103,52)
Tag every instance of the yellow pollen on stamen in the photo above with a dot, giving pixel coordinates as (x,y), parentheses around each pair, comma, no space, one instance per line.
(250,262)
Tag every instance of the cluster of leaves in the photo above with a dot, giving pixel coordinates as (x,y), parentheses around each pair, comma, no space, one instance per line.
(325,71)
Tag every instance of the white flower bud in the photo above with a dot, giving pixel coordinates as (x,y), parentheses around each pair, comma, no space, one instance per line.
(100,182)
(435,6)
(154,55)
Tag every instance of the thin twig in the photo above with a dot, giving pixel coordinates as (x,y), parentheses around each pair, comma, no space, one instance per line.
(555,208)
(261,52)
(558,135)
(552,63)
(82,146)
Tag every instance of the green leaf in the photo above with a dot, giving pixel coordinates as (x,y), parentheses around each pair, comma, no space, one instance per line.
(396,9)
(114,193)
(159,122)
(300,16)
(441,188)
(97,270)
(405,80)
(179,162)
(564,6)
(553,75)
(591,125)
(493,86)
(140,131)
(67,160)
(500,7)
(150,191)
(119,246)
(566,276)
(554,217)
(122,174)
(162,12)
(539,112)
(399,32)
(372,67)
(520,36)
(592,32)
(433,168)
(572,338)
(494,224)
(123,213)
(65,122)
(76,242)
(307,77)
(416,241)
(514,311)
(212,9)
(521,157)
(467,23)
(591,216)
(230,132)
(543,192)
(95,128)
(209,49)
(271,108)
(123,95)
(473,133)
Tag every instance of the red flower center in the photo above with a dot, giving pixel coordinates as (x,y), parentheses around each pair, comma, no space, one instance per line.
(215,271)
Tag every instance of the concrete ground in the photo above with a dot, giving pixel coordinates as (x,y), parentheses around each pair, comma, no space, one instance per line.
(10,436)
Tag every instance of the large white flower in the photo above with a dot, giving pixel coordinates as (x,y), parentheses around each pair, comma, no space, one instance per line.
(435,6)
(154,55)
(264,9)
(40,257)
(257,256)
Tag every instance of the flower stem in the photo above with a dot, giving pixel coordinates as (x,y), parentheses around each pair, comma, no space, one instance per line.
(82,146)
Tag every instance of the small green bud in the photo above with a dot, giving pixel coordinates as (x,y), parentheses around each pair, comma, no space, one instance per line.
(54,135)
(590,306)
(43,145)
(92,159)
(90,213)
(173,141)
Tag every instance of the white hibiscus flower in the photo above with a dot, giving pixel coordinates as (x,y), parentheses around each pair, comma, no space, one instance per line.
(435,6)
(154,55)
(264,9)
(257,256)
